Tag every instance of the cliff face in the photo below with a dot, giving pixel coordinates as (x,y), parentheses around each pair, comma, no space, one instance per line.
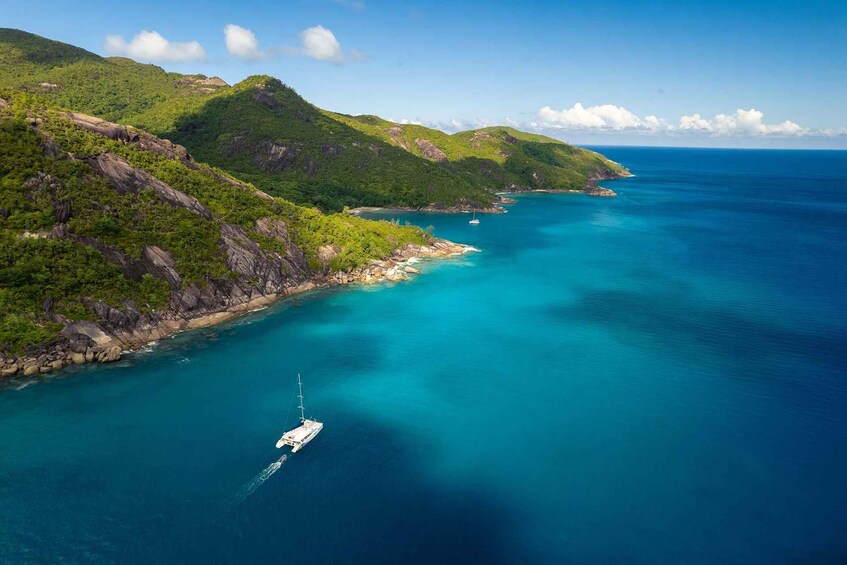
(262,277)
(112,238)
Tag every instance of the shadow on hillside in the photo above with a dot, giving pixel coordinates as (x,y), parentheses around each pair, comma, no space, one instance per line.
(287,147)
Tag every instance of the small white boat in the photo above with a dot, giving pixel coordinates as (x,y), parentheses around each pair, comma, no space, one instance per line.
(474,221)
(305,432)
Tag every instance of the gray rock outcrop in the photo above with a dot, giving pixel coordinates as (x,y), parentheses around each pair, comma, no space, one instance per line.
(127,134)
(596,190)
(429,150)
(124,178)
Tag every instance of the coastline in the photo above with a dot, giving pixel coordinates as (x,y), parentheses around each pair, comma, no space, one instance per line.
(590,189)
(497,208)
(118,332)
(95,343)
(596,190)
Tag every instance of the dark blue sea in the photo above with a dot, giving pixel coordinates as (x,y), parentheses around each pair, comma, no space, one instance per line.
(655,378)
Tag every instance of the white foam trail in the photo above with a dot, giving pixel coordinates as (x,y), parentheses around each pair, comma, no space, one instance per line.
(255,483)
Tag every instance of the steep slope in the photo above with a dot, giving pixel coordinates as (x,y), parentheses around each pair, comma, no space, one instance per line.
(110,236)
(509,159)
(260,129)
(267,134)
(264,132)
(113,89)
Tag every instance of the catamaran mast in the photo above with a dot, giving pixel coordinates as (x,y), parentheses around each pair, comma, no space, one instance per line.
(300,396)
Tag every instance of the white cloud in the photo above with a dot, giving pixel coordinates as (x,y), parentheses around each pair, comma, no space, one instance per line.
(151,46)
(454,125)
(743,122)
(316,42)
(609,117)
(654,123)
(320,43)
(833,132)
(449,126)
(242,43)
(694,122)
(604,117)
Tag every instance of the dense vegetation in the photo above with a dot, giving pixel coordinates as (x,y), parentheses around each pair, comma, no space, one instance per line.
(259,130)
(264,132)
(501,156)
(45,180)
(70,77)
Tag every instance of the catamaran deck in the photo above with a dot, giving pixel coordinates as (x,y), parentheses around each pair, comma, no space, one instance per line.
(301,435)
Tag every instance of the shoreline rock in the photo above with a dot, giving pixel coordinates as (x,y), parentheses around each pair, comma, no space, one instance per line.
(461,208)
(89,342)
(599,191)
(591,188)
(457,209)
(594,190)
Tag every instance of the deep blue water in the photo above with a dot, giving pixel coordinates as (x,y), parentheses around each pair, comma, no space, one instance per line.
(655,378)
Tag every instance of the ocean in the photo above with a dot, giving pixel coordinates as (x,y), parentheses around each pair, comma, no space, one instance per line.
(654,378)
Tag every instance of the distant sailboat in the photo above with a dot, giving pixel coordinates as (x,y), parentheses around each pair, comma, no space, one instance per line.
(305,432)
(474,221)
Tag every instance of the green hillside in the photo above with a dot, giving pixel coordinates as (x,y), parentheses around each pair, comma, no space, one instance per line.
(504,156)
(264,132)
(113,89)
(99,221)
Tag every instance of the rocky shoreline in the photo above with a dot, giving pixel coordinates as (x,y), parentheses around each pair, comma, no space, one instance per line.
(90,342)
(591,189)
(462,208)
(594,190)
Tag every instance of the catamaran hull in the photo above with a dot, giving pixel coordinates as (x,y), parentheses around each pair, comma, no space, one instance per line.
(300,436)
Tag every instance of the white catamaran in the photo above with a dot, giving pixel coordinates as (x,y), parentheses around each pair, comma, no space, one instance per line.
(305,432)
(474,221)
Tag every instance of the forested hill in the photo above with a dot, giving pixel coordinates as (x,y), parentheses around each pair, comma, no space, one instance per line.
(110,226)
(264,132)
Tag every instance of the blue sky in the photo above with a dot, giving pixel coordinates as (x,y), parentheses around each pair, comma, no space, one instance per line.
(736,74)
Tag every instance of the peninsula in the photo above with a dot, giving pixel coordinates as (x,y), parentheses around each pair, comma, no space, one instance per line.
(112,238)
(137,203)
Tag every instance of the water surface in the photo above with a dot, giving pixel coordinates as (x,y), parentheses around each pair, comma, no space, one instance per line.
(654,378)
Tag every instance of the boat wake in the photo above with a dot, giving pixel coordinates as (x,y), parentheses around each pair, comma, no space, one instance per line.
(254,483)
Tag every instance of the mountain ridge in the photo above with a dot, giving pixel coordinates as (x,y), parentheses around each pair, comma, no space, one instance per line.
(293,149)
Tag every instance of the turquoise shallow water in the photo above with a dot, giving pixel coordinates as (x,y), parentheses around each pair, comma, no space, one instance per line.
(655,378)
